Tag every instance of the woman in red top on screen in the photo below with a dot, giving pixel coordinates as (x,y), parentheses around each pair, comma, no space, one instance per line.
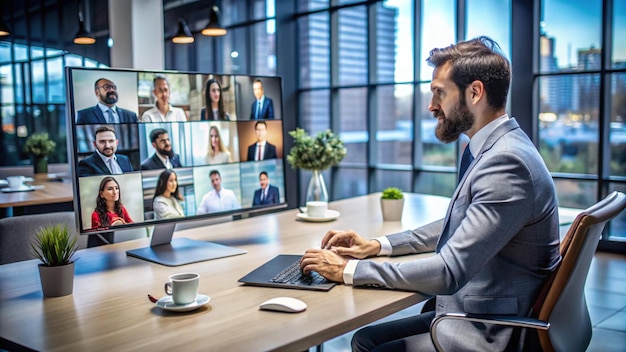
(109,209)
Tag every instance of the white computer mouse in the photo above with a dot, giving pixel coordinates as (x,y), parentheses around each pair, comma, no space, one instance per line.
(283,304)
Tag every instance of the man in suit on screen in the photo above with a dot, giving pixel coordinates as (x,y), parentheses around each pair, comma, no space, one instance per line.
(262,107)
(164,156)
(261,149)
(104,160)
(106,111)
(498,241)
(267,194)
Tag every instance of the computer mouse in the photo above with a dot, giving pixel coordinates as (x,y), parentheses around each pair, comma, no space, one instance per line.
(284,304)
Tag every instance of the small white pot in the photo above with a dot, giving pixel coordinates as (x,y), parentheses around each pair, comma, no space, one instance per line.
(392,209)
(56,281)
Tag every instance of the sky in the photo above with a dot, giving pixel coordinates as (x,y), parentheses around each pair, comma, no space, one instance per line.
(575,24)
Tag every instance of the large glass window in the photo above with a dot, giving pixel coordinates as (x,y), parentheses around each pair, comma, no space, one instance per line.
(582,137)
(33,99)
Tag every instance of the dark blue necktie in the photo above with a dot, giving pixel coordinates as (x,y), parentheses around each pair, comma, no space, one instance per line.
(466,160)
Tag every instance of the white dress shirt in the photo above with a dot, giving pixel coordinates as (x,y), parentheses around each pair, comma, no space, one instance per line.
(214,202)
(174,114)
(111,163)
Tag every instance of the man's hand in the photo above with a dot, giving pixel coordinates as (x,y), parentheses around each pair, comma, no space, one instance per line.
(325,262)
(349,243)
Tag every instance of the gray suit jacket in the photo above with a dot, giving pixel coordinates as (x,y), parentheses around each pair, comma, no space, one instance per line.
(497,243)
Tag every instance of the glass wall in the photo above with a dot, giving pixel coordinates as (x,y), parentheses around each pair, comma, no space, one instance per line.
(33,99)
(581,100)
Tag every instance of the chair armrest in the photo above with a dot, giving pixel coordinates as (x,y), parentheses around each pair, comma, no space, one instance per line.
(506,320)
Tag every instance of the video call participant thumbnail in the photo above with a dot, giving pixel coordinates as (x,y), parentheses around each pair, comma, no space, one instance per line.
(214,102)
(167,198)
(261,149)
(218,199)
(109,209)
(164,156)
(218,153)
(262,107)
(104,160)
(163,111)
(106,110)
(267,194)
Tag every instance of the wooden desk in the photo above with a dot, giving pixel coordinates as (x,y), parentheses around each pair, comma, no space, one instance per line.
(109,309)
(53,192)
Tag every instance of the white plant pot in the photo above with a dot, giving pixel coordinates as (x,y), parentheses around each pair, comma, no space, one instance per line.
(392,209)
(56,281)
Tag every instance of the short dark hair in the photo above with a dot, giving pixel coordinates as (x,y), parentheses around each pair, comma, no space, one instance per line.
(478,59)
(103,128)
(258,80)
(159,77)
(260,122)
(263,173)
(155,133)
(215,172)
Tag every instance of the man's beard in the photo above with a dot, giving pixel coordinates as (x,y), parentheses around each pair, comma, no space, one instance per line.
(449,128)
(168,153)
(110,98)
(107,152)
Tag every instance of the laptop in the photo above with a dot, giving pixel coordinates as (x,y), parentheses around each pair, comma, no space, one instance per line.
(284,271)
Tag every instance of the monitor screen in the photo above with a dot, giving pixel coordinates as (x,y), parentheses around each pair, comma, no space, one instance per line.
(162,147)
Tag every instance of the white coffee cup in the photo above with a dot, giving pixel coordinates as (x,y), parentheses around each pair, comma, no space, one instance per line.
(183,287)
(16,182)
(316,209)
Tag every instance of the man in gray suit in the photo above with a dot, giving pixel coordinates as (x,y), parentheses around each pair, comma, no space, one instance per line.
(499,239)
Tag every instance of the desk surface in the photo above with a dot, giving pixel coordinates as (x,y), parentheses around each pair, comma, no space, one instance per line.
(109,308)
(52,192)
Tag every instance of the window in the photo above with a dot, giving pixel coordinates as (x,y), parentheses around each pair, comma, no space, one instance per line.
(33,99)
(581,101)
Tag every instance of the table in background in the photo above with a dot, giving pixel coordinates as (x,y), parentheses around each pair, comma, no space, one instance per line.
(109,309)
(55,195)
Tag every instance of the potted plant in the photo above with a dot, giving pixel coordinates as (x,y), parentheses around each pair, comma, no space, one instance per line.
(315,154)
(392,204)
(54,246)
(39,145)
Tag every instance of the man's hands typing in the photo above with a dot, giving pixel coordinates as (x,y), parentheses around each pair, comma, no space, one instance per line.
(349,243)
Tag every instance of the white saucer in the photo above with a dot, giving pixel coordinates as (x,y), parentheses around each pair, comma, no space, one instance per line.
(167,303)
(24,188)
(330,216)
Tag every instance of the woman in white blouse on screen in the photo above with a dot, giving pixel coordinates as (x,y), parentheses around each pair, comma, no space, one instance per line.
(217,154)
(166,201)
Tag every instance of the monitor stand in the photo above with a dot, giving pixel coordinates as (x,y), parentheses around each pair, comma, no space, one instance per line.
(167,251)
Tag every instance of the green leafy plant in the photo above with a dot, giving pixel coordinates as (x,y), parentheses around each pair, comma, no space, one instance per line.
(392,193)
(315,153)
(54,246)
(39,144)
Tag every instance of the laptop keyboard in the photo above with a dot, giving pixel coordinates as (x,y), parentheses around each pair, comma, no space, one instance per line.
(293,275)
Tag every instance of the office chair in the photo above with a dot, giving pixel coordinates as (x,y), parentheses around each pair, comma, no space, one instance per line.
(560,313)
(17,233)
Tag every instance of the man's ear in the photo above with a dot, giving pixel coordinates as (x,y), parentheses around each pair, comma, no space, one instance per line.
(476,91)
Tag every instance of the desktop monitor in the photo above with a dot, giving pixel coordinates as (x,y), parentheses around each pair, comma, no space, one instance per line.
(162,147)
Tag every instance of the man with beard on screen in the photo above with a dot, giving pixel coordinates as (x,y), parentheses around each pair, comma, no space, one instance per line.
(106,111)
(499,239)
(104,160)
(164,157)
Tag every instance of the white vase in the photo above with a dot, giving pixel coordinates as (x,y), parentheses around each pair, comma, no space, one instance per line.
(56,281)
(316,192)
(392,209)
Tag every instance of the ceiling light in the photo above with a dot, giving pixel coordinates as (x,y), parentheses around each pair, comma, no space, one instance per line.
(213,29)
(4,29)
(83,36)
(183,36)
